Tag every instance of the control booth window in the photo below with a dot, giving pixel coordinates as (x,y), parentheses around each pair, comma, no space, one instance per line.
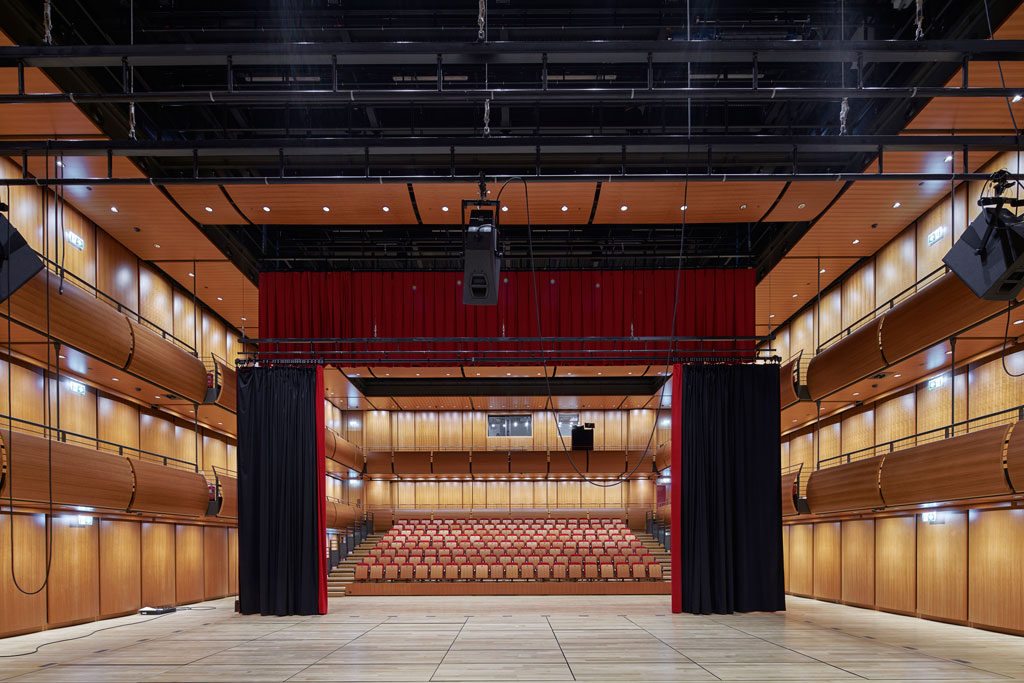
(509,425)
(566,421)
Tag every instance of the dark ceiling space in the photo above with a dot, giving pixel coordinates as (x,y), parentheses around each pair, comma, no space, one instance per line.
(567,107)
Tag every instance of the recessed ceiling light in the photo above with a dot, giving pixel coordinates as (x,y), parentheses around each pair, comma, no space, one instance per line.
(113,209)
(266,209)
(794,296)
(896,205)
(157,246)
(801,205)
(623,208)
(60,163)
(856,241)
(327,209)
(684,207)
(445,209)
(856,393)
(504,209)
(385,209)
(220,298)
(949,353)
(564,207)
(949,158)
(822,271)
(1017,98)
(209,209)
(897,375)
(191,274)
(1018,322)
(743,207)
(771,315)
(115,379)
(244,318)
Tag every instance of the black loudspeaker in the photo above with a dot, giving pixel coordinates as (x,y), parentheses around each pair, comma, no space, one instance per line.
(989,256)
(483,262)
(583,437)
(18,262)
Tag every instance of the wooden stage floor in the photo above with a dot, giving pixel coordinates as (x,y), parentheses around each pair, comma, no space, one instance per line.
(517,638)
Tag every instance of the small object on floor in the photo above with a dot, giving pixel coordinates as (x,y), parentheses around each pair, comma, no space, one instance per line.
(149,611)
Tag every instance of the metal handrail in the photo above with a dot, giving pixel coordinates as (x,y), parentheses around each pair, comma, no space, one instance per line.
(929,436)
(887,306)
(122,450)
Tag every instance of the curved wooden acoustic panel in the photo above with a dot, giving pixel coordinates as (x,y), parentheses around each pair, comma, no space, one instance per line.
(166,365)
(969,466)
(490,463)
(941,309)
(846,487)
(1015,458)
(663,456)
(451,462)
(790,490)
(606,462)
(166,490)
(344,452)
(81,476)
(228,487)
(227,397)
(339,515)
(378,462)
(528,462)
(76,318)
(412,462)
(789,374)
(848,360)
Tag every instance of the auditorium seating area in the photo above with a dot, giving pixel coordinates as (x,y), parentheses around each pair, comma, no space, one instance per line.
(509,550)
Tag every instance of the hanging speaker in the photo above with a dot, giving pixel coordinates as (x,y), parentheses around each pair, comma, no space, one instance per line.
(482,266)
(18,262)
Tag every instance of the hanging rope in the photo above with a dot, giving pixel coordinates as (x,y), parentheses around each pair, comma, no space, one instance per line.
(481,22)
(487,118)
(919,21)
(47,23)
(844,113)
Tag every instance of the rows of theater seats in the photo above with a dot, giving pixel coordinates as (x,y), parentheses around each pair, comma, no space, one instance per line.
(509,549)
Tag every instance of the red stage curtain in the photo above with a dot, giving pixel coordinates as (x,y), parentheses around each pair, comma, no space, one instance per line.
(712,302)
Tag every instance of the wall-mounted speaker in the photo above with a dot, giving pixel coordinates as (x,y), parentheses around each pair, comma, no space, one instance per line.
(583,437)
(482,268)
(18,262)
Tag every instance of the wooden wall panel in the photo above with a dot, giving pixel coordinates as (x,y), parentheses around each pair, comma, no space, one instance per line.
(21,613)
(214,337)
(858,432)
(215,562)
(184,315)
(896,268)
(450,432)
(641,423)
(896,419)
(378,493)
(377,430)
(158,557)
(591,496)
(406,493)
(895,564)
(801,450)
(120,567)
(425,425)
(942,566)
(933,405)
(188,563)
(996,595)
(156,300)
(403,430)
(801,336)
(830,314)
(73,589)
(992,389)
(117,271)
(936,222)
(232,561)
(117,421)
(801,559)
(828,561)
(858,295)
(27,385)
(615,429)
(77,412)
(858,578)
(829,441)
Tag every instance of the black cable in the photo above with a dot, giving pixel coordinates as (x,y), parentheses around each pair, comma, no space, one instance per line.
(101,630)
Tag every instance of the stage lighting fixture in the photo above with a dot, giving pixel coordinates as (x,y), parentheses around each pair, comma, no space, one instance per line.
(989,256)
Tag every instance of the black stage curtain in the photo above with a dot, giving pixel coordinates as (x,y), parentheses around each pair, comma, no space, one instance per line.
(278,570)
(730,494)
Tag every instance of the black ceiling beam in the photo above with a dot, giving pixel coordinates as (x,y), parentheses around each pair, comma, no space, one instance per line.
(513,52)
(498,96)
(698,145)
(508,386)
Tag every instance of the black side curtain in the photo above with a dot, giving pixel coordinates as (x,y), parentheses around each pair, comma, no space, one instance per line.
(730,494)
(278,570)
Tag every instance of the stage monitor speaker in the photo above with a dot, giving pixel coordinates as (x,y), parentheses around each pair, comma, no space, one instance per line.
(482,262)
(18,262)
(583,437)
(989,256)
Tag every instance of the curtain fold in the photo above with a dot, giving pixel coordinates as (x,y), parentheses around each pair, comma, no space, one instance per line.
(281,569)
(729,497)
